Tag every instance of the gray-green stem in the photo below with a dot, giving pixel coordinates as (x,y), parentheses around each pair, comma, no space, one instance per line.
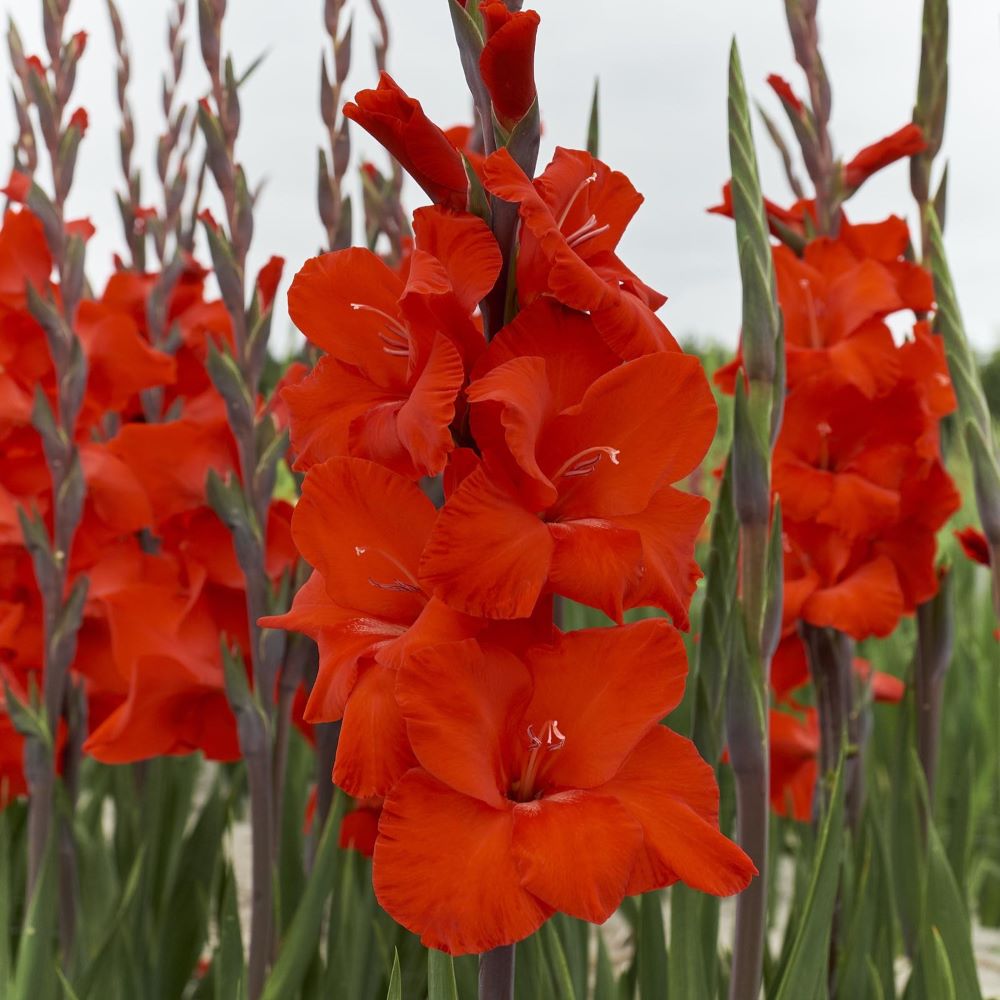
(496,974)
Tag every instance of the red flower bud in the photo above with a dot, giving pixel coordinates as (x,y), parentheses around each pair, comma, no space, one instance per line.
(206,216)
(79,120)
(507,62)
(18,187)
(908,141)
(83,228)
(784,90)
(398,122)
(267,281)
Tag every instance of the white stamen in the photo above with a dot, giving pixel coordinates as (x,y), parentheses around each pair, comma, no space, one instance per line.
(576,194)
(584,462)
(587,231)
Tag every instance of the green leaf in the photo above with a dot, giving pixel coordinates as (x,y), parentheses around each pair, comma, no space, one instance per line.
(605,987)
(66,985)
(973,407)
(229,965)
(558,965)
(524,139)
(809,959)
(479,200)
(6,901)
(531,970)
(946,917)
(712,662)
(302,939)
(692,968)
(869,916)
(440,976)
(907,848)
(575,937)
(184,925)
(594,124)
(33,974)
(395,980)
(875,991)
(651,948)
(351,946)
(98,964)
(933,957)
(28,720)
(761,319)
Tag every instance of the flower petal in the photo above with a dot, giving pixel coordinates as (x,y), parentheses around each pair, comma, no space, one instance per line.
(658,441)
(461,738)
(436,624)
(324,406)
(596,562)
(867,602)
(422,422)
(398,122)
(444,869)
(343,302)
(466,247)
(168,711)
(373,751)
(668,529)
(576,851)
(575,356)
(487,555)
(671,791)
(606,688)
(368,561)
(511,404)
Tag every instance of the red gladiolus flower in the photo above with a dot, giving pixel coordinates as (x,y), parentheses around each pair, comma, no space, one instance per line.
(574,492)
(794,762)
(198,322)
(397,350)
(172,708)
(835,299)
(778,219)
(790,671)
(573,218)
(844,460)
(366,609)
(507,62)
(398,122)
(906,142)
(553,786)
(974,545)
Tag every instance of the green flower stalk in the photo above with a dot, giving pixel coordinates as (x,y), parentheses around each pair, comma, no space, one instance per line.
(929,114)
(47,93)
(757,418)
(974,419)
(243,505)
(935,618)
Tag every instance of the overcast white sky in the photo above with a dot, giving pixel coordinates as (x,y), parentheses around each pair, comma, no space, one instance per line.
(662,66)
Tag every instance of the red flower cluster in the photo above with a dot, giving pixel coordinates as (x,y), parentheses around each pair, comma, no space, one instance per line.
(523,770)
(857,463)
(164,583)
